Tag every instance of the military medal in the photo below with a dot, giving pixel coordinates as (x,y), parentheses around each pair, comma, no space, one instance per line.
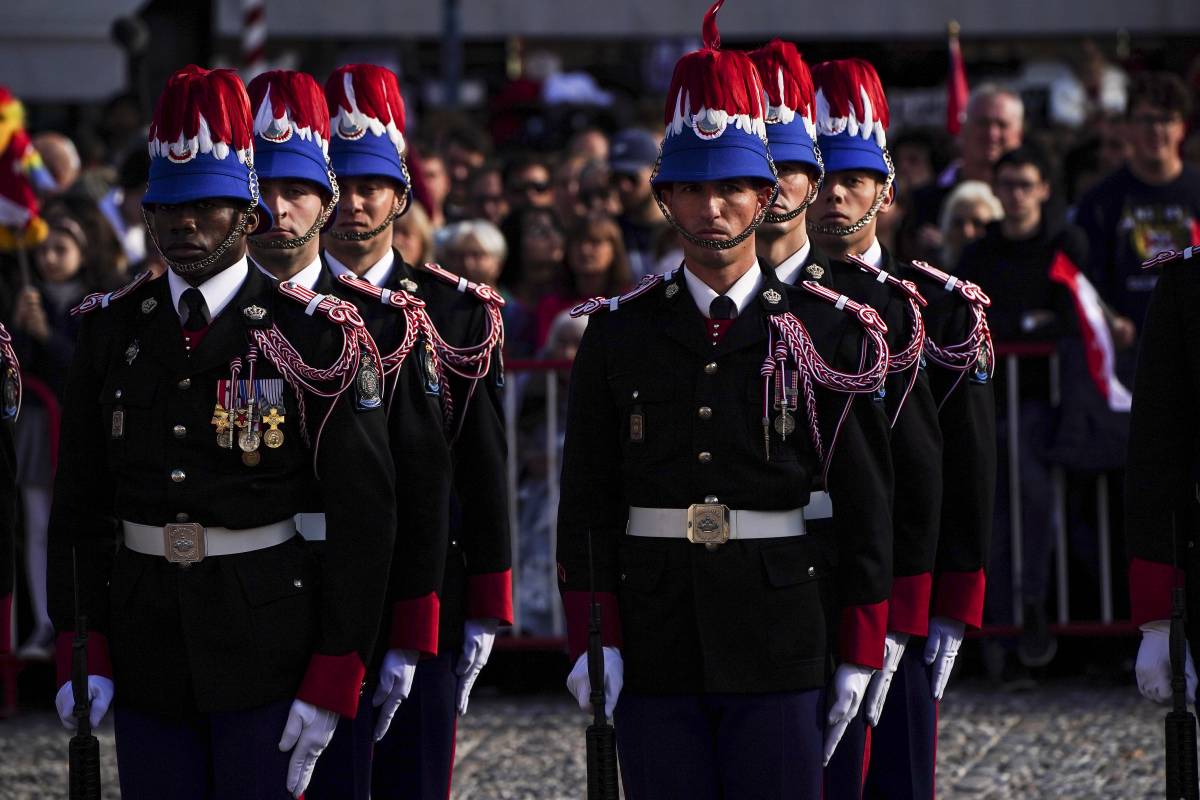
(118,423)
(273,437)
(785,424)
(220,421)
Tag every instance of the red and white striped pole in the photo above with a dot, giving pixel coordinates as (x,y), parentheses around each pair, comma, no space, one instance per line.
(254,38)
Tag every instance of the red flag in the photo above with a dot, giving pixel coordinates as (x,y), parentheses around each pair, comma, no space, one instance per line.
(1093,327)
(956,85)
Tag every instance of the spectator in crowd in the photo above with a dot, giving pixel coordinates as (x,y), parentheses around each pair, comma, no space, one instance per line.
(1095,157)
(596,267)
(590,144)
(61,158)
(536,584)
(566,189)
(596,193)
(1149,205)
(920,155)
(122,205)
(486,198)
(1012,263)
(464,149)
(437,187)
(412,235)
(631,160)
(527,182)
(80,255)
(474,249)
(967,212)
(995,124)
(534,270)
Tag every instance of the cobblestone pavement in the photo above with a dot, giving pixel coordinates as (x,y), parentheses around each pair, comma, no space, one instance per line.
(1063,740)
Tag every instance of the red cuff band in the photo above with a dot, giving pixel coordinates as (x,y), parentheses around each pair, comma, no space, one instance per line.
(490,595)
(5,623)
(960,596)
(333,683)
(861,634)
(98,661)
(908,609)
(577,606)
(415,624)
(1150,585)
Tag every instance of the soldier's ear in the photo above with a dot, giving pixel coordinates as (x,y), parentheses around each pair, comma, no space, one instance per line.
(257,221)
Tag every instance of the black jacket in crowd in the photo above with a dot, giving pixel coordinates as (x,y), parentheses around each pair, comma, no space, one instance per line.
(8,499)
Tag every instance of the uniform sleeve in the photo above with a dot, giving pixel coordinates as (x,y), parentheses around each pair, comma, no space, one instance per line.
(1162,441)
(860,485)
(422,461)
(82,523)
(480,480)
(8,523)
(591,501)
(357,492)
(967,416)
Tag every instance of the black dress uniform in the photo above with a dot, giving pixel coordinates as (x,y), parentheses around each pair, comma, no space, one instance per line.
(10,406)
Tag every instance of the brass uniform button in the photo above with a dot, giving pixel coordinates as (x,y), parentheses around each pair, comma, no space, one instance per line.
(705,457)
(186,383)
(705,412)
(710,368)
(178,475)
(180,431)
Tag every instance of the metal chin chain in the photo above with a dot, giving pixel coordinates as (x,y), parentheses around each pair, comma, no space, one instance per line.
(838,230)
(715,244)
(813,191)
(395,214)
(300,241)
(235,233)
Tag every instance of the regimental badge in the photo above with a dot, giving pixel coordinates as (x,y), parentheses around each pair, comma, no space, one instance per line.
(408,285)
(132,351)
(366,387)
(433,383)
(982,367)
(254,313)
(118,423)
(149,305)
(672,290)
(9,398)
(771,296)
(816,271)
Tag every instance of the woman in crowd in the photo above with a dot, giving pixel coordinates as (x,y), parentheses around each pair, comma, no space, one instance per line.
(534,270)
(412,235)
(474,249)
(967,212)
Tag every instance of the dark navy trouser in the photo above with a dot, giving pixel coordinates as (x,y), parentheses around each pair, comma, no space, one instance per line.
(415,760)
(343,771)
(203,756)
(721,746)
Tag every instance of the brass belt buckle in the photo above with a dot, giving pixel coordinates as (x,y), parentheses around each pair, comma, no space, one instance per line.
(708,524)
(184,542)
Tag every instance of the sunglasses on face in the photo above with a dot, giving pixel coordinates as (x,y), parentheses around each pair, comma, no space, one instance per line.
(531,187)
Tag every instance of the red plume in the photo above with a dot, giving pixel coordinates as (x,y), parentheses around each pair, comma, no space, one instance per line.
(376,93)
(843,84)
(785,76)
(193,92)
(715,79)
(294,94)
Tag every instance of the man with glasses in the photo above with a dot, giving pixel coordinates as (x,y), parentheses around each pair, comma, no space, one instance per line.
(630,162)
(527,183)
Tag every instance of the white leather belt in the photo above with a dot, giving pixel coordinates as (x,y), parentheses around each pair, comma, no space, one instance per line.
(713,523)
(819,506)
(311,526)
(189,542)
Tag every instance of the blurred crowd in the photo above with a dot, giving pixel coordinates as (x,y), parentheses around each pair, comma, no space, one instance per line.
(997,204)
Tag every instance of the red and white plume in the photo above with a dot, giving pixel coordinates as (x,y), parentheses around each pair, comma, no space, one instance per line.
(366,97)
(712,88)
(788,83)
(202,111)
(289,104)
(850,100)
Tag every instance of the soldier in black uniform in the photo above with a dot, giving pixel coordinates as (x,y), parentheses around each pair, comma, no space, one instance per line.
(198,406)
(300,189)
(948,468)
(704,409)
(10,407)
(1161,480)
(456,364)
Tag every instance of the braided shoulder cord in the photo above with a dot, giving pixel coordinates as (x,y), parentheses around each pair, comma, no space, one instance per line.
(8,357)
(589,307)
(977,346)
(103,299)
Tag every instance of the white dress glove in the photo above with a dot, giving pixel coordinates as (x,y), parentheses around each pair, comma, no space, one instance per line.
(395,682)
(306,734)
(849,687)
(614,678)
(941,648)
(100,692)
(1153,668)
(881,681)
(478,637)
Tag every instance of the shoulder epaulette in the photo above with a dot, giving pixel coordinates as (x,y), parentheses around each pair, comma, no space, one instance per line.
(905,287)
(952,283)
(334,308)
(905,359)
(866,315)
(103,299)
(10,378)
(1171,256)
(589,307)
(481,290)
(388,297)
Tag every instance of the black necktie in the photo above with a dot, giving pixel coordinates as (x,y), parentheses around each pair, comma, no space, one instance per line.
(722,308)
(197,310)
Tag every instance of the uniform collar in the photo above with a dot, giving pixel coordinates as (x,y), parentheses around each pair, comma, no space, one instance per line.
(377,275)
(741,293)
(217,290)
(789,270)
(874,254)
(308,276)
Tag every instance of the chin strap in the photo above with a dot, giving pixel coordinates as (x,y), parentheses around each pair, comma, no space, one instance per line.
(300,241)
(813,191)
(397,212)
(850,230)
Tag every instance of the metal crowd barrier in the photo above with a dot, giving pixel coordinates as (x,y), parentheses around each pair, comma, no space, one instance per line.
(1008,355)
